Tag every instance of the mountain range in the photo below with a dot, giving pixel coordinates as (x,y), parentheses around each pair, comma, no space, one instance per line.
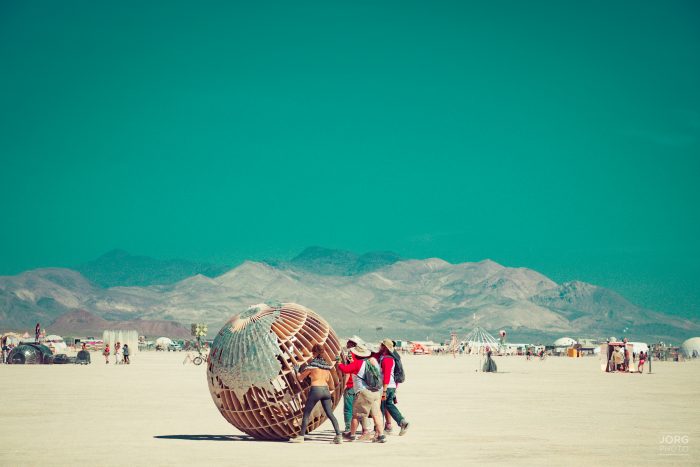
(119,268)
(371,294)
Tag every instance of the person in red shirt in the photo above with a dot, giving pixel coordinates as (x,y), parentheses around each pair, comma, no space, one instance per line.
(386,360)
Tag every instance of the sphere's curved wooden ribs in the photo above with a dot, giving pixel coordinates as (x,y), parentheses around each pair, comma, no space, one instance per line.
(275,410)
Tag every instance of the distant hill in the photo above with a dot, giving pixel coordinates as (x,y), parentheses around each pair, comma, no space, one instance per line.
(411,299)
(84,323)
(41,296)
(326,261)
(119,268)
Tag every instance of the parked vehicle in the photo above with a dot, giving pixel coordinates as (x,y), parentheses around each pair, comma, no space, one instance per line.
(174,347)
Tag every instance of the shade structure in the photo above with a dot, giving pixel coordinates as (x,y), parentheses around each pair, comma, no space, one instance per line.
(479,339)
(251,369)
(128,337)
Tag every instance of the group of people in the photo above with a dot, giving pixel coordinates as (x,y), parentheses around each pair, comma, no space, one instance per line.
(371,375)
(121,354)
(620,360)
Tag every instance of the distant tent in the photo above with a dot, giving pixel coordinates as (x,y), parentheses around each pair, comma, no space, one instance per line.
(564,342)
(55,343)
(164,341)
(11,338)
(691,347)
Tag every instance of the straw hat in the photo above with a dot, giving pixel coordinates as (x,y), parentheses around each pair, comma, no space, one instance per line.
(389,344)
(361,350)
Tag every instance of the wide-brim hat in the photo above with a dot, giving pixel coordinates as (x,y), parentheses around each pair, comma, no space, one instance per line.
(361,350)
(356,339)
(388,343)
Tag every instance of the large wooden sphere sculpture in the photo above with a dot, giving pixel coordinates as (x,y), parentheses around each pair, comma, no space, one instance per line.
(251,369)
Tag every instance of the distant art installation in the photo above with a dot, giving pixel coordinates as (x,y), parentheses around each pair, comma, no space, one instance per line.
(251,369)
(128,337)
(30,354)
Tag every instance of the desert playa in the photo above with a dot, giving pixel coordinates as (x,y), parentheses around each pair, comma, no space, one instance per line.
(157,411)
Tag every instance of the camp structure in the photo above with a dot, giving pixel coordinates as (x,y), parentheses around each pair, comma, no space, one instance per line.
(666,352)
(565,346)
(10,339)
(420,348)
(91,343)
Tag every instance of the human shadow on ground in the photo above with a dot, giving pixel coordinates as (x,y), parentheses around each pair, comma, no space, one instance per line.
(325,435)
(208,437)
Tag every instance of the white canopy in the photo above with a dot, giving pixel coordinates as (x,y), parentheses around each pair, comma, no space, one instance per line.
(639,347)
(564,342)
(164,341)
(691,347)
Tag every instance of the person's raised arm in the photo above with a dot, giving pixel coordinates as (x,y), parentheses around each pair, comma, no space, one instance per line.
(352,368)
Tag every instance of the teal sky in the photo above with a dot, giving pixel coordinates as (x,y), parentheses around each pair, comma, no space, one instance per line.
(562,136)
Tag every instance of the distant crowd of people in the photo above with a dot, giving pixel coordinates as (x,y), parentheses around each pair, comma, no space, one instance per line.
(372,376)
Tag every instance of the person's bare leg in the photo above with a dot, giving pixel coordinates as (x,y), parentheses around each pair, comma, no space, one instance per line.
(365,431)
(377,418)
(378,425)
(353,426)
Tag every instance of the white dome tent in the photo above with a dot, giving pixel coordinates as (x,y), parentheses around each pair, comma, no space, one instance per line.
(691,347)
(163,342)
(565,342)
(55,343)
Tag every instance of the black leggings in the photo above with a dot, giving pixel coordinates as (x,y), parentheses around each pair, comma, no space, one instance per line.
(319,393)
